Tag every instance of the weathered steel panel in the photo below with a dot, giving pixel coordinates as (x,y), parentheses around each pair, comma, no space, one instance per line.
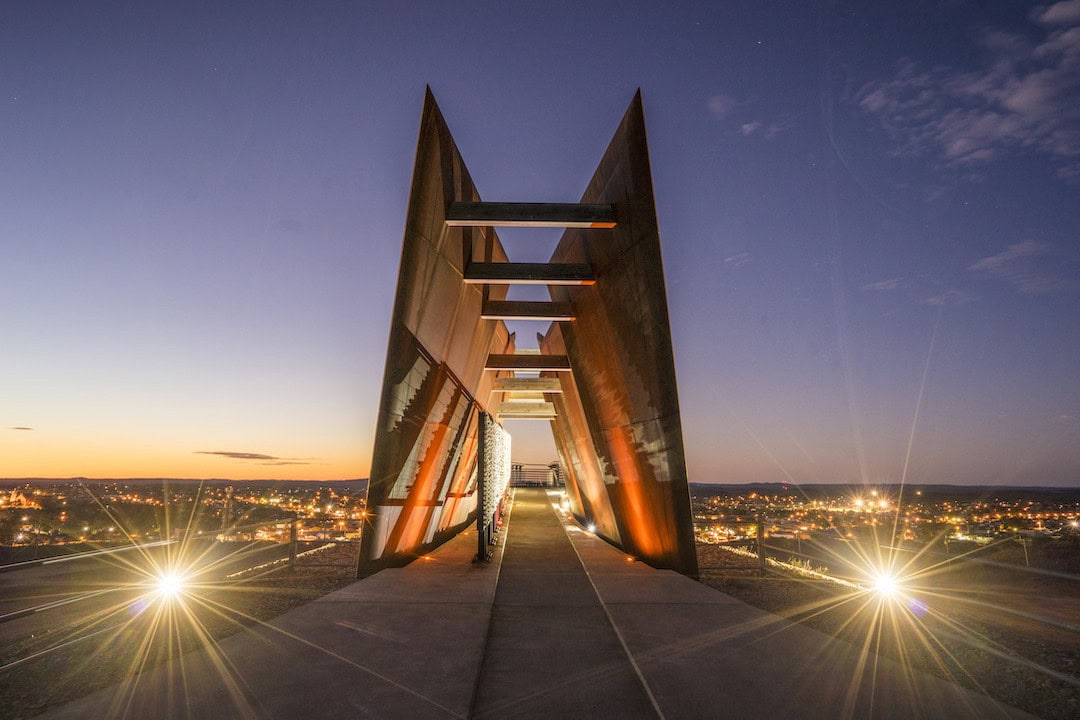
(422,486)
(619,346)
(617,427)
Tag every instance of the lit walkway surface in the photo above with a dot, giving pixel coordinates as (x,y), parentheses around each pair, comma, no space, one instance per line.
(559,624)
(551,649)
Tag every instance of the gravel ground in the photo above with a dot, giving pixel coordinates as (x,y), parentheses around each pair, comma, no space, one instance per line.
(128,642)
(1025,664)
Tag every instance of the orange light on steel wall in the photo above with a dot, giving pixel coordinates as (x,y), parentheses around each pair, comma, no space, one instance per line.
(412,524)
(437,316)
(459,495)
(619,346)
(644,536)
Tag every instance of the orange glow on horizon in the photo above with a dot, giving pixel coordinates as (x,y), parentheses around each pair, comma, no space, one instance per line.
(43,456)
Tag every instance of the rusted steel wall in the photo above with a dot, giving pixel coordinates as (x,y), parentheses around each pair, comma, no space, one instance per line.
(422,487)
(623,394)
(618,429)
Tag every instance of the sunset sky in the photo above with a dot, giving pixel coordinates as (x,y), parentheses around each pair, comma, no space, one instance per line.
(870,215)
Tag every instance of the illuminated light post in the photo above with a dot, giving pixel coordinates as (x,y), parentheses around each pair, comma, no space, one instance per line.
(170,586)
(293,537)
(886,585)
(761,544)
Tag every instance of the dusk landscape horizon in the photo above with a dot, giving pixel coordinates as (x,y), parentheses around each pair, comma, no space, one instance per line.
(563,359)
(869,230)
(7,482)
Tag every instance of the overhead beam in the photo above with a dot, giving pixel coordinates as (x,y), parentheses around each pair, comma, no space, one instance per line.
(508,273)
(502,214)
(526,310)
(525,397)
(551,385)
(527,363)
(526,410)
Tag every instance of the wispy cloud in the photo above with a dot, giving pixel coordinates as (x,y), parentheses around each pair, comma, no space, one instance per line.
(949,297)
(21,427)
(757,127)
(1024,96)
(1061,13)
(774,130)
(267,459)
(1019,266)
(721,105)
(1004,260)
(890,284)
(738,259)
(236,455)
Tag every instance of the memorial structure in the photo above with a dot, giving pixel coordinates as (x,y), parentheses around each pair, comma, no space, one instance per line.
(604,375)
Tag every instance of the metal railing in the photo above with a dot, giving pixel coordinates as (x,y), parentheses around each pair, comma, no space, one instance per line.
(536,475)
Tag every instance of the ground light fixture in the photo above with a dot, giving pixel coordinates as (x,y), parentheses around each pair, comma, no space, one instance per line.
(886,585)
(170,585)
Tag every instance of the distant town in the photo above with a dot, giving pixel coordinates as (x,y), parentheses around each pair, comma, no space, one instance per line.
(959,513)
(837,530)
(44,513)
(59,512)
(812,553)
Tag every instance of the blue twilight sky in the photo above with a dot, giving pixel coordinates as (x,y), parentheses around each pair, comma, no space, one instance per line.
(869,210)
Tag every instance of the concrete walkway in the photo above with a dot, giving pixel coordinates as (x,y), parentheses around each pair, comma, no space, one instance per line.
(552,650)
(559,624)
(702,653)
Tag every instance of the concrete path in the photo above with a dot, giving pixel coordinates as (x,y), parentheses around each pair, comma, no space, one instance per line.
(704,654)
(559,624)
(551,650)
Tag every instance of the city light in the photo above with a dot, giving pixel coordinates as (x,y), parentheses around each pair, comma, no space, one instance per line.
(170,585)
(169,580)
(886,585)
(591,527)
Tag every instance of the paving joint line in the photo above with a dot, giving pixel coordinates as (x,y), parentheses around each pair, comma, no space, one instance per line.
(614,627)
(491,611)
